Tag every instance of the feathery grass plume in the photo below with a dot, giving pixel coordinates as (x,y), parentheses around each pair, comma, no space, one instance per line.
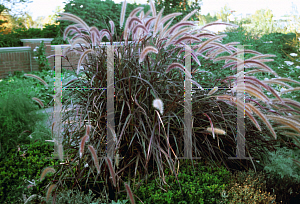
(158,23)
(39,101)
(71,28)
(83,55)
(30,198)
(132,20)
(289,90)
(209,41)
(286,79)
(88,129)
(216,131)
(264,119)
(36,77)
(145,51)
(71,17)
(179,25)
(170,40)
(274,81)
(198,85)
(218,23)
(174,65)
(129,193)
(259,64)
(81,41)
(139,26)
(112,27)
(123,14)
(158,104)
(47,170)
(82,143)
(49,191)
(253,119)
(288,101)
(135,11)
(126,31)
(187,38)
(286,121)
(258,94)
(111,170)
(162,33)
(214,90)
(211,124)
(94,155)
(152,8)
(227,58)
(169,16)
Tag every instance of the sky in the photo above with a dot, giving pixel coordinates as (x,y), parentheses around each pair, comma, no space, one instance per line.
(278,7)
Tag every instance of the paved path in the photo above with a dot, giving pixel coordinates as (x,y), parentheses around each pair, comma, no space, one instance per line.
(49,121)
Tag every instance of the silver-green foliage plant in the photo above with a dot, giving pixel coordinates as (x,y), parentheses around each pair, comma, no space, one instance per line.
(148,140)
(282,162)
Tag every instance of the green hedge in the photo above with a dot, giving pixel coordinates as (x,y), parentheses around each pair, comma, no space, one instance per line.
(50,31)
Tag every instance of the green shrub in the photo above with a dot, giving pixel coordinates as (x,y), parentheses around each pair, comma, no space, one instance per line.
(200,186)
(22,167)
(248,187)
(16,124)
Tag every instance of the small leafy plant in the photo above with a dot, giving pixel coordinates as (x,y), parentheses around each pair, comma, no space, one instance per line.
(40,57)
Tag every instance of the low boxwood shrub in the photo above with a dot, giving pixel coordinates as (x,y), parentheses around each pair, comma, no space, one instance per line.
(21,168)
(203,185)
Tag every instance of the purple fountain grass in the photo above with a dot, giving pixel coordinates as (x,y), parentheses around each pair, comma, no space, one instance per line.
(50,189)
(129,193)
(111,170)
(94,155)
(82,143)
(47,170)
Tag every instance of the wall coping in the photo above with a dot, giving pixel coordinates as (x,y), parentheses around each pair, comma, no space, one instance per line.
(14,49)
(37,40)
(102,43)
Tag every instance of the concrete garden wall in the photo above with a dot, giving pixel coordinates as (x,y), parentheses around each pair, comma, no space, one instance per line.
(22,58)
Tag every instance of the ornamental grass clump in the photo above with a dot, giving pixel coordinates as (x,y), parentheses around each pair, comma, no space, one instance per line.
(149,74)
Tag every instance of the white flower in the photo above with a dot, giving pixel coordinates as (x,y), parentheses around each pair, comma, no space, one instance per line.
(72,4)
(293,54)
(34,50)
(86,165)
(297,67)
(158,104)
(289,63)
(81,6)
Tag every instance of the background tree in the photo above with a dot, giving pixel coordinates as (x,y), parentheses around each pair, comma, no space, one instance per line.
(208,18)
(10,15)
(183,6)
(99,13)
(3,18)
(11,6)
(262,22)
(224,13)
